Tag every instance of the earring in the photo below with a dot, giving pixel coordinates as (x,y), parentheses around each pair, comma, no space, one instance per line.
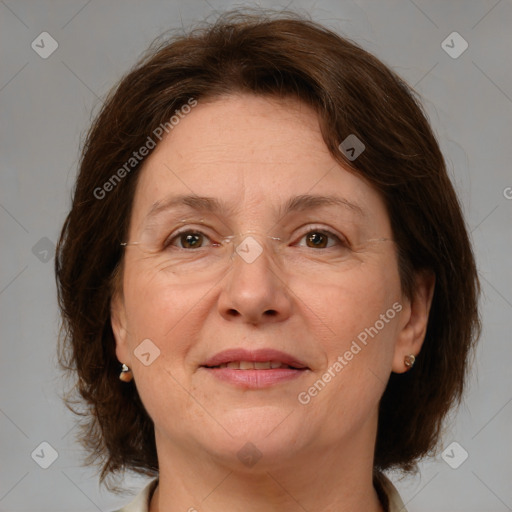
(126,374)
(409,361)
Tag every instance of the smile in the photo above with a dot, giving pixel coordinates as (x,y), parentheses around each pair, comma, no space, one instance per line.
(254,365)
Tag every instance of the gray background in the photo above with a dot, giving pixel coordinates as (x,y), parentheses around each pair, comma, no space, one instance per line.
(47,104)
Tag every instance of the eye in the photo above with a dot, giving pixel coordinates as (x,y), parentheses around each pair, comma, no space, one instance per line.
(187,240)
(319,239)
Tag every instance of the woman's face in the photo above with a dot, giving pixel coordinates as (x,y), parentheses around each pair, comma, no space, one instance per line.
(326,295)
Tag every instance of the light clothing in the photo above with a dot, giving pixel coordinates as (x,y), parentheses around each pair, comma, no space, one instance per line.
(386,490)
(141,501)
(394,502)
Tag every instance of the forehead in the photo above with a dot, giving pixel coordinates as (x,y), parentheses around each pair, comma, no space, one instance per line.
(252,153)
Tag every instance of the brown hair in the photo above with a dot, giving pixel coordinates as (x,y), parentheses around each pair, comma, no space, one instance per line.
(352,93)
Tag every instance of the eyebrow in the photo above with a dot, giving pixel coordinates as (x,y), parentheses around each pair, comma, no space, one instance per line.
(303,202)
(311,202)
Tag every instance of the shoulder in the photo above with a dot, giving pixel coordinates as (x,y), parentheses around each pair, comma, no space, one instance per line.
(141,502)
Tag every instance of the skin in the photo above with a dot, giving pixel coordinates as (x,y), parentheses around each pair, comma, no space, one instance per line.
(254,153)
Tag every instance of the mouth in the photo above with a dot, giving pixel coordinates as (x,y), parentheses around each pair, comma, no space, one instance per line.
(261,359)
(255,365)
(254,369)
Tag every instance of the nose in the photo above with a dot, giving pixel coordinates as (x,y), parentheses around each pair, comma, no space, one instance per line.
(254,290)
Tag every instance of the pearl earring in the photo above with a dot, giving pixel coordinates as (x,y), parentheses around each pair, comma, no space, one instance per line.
(409,361)
(126,374)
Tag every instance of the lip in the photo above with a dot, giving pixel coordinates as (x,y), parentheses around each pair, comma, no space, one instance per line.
(256,356)
(255,379)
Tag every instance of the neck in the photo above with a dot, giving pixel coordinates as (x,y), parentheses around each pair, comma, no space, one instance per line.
(326,479)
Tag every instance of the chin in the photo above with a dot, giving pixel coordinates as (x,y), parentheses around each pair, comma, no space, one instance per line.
(267,432)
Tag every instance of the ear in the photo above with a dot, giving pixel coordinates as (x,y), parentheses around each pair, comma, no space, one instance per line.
(414,319)
(119,327)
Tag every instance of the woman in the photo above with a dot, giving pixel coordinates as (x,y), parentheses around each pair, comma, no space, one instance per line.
(268,292)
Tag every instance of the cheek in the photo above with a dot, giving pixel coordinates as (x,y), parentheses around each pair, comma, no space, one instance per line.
(155,306)
(356,321)
(351,302)
(170,317)
(359,322)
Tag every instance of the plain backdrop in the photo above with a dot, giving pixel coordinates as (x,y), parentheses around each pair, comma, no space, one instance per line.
(46,105)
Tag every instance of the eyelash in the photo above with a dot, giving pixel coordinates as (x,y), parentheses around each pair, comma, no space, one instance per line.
(168,243)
